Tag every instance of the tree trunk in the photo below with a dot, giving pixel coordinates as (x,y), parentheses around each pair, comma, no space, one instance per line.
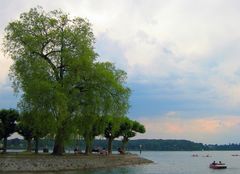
(59,144)
(87,149)
(89,144)
(29,145)
(36,139)
(110,140)
(124,144)
(5,145)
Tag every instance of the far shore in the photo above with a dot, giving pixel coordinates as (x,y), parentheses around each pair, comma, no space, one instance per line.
(48,163)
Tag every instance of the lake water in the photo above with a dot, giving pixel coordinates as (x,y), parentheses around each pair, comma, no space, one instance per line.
(177,163)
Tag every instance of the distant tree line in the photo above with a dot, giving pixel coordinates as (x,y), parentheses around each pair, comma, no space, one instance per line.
(133,145)
(230,146)
(65,91)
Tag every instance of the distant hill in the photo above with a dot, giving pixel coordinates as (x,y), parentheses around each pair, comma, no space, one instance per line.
(133,145)
(165,145)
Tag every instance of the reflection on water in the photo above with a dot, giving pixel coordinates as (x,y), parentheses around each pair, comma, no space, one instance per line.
(178,163)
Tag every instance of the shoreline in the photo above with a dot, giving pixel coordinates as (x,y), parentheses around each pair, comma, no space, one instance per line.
(49,163)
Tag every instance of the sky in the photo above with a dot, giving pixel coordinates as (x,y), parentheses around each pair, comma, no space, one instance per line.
(181,56)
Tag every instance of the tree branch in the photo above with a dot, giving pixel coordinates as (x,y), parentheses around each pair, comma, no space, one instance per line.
(54,68)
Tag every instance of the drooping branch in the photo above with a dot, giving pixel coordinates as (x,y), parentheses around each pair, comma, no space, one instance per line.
(46,58)
(54,68)
(61,56)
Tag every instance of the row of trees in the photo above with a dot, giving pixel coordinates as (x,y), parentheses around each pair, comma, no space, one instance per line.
(11,121)
(65,90)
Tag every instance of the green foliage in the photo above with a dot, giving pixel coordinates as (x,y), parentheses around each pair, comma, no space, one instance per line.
(37,122)
(55,66)
(128,129)
(112,129)
(51,52)
(138,128)
(90,126)
(25,129)
(8,118)
(105,95)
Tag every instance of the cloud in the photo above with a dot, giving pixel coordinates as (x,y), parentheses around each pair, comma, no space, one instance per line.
(4,70)
(7,97)
(212,129)
(180,55)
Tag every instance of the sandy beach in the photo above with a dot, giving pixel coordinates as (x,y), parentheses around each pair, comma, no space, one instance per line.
(42,163)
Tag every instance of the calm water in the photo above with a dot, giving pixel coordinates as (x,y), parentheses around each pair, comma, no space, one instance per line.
(176,163)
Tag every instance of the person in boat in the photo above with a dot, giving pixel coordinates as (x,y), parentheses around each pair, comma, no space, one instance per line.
(213,163)
(220,162)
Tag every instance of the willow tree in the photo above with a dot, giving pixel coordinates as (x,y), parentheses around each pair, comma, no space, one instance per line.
(34,124)
(50,51)
(55,65)
(106,95)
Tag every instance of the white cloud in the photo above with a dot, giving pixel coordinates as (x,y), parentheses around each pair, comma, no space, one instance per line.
(5,64)
(192,46)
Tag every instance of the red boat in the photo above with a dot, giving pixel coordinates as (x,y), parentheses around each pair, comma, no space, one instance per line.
(218,166)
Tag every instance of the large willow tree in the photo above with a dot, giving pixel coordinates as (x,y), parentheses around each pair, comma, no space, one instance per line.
(55,67)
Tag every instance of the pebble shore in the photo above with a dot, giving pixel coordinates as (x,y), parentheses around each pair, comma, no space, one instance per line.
(15,163)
